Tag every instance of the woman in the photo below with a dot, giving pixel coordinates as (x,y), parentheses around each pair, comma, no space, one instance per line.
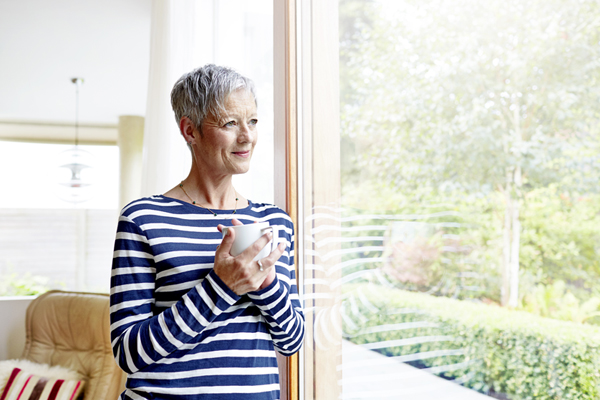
(188,320)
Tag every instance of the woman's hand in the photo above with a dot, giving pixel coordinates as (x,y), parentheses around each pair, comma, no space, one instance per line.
(241,274)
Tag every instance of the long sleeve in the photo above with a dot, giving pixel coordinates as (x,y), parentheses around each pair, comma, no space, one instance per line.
(176,328)
(279,303)
(140,338)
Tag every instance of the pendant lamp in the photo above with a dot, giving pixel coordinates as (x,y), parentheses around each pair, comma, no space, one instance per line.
(75,164)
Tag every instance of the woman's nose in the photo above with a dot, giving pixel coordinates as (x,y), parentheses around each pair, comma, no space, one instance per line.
(246,134)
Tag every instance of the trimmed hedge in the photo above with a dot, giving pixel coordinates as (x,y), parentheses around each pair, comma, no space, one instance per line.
(512,352)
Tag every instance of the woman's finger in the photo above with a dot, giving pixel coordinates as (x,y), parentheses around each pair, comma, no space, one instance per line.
(269,264)
(236,222)
(251,252)
(227,242)
(274,256)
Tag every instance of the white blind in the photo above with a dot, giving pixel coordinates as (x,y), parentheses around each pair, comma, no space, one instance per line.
(73,248)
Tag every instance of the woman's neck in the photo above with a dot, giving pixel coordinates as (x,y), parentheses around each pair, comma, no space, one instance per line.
(208,191)
(219,194)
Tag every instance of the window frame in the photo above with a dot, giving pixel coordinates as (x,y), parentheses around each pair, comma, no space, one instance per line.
(307,137)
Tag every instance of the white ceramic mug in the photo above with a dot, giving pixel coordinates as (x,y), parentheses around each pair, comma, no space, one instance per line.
(246,235)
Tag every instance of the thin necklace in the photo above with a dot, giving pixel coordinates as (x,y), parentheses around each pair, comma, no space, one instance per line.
(206,208)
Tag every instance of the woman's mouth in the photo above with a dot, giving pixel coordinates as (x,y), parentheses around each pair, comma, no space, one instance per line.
(243,154)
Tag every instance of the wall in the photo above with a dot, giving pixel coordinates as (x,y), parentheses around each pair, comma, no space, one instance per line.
(12,328)
(107,43)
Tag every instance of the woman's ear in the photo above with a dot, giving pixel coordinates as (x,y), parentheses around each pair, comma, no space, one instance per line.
(187,129)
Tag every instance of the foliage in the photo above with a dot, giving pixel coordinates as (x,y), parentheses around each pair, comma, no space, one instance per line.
(560,242)
(440,100)
(555,301)
(439,95)
(486,347)
(436,248)
(560,239)
(13,284)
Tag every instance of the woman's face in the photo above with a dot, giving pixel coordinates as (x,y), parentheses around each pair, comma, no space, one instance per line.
(226,143)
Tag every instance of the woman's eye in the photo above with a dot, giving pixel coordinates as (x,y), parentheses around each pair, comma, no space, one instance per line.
(253,121)
(230,123)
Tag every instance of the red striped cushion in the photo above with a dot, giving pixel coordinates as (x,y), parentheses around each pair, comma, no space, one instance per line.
(23,385)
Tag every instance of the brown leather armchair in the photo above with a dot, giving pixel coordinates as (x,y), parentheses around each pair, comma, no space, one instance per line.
(71,329)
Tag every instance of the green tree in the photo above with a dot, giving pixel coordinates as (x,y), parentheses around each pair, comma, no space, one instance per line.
(473,97)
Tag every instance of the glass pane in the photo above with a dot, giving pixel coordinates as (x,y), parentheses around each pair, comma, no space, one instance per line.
(244,41)
(465,243)
(48,240)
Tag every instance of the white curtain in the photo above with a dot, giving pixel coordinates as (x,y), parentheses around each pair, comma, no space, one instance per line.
(181,40)
(186,34)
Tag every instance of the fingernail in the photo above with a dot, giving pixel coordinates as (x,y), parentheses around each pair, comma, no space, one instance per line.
(269,235)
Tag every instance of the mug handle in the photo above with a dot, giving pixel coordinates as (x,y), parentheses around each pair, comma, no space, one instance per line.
(275,239)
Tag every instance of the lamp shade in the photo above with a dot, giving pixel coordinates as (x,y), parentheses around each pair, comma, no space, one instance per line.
(75,175)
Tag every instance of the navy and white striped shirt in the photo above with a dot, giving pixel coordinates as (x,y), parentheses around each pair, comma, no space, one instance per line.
(176,328)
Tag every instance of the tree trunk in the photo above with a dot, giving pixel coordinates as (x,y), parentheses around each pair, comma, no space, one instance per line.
(513,300)
(509,292)
(505,289)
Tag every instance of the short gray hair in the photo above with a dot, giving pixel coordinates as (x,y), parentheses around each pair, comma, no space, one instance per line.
(203,91)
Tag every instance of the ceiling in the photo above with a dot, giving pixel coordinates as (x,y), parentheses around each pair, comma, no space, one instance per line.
(43,44)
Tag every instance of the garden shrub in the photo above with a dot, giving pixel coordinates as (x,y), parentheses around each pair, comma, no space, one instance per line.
(513,352)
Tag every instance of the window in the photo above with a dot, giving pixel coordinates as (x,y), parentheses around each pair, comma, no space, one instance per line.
(47,240)
(450,169)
